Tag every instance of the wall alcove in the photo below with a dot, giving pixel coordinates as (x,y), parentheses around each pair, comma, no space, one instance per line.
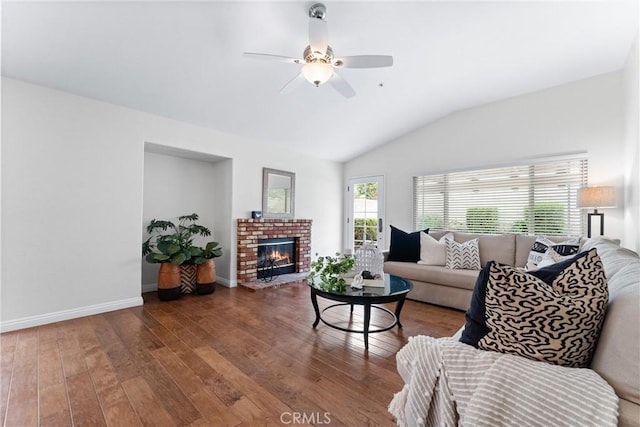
(180,182)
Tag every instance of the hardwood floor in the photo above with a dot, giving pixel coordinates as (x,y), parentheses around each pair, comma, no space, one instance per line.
(233,358)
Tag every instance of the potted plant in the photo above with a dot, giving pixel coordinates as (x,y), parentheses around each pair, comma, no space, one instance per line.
(327,272)
(171,243)
(165,251)
(206,268)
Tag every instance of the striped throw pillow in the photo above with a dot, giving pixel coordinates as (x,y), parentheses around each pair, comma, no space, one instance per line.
(465,256)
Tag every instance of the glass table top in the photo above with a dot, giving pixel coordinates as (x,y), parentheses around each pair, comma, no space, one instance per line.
(393,285)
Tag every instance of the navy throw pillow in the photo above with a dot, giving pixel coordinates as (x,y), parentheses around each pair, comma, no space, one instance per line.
(405,247)
(476,326)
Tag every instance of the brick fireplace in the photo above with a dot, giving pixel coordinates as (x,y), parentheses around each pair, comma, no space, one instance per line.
(249,231)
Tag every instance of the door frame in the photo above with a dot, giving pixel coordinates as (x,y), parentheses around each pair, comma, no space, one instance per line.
(348,220)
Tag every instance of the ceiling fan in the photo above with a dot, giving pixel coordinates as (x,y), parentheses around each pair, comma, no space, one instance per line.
(318,62)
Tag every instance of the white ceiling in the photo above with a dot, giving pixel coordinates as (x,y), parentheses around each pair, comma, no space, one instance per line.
(183,60)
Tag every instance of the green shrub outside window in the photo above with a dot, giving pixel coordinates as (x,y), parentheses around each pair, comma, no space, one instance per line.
(365,230)
(482,220)
(536,197)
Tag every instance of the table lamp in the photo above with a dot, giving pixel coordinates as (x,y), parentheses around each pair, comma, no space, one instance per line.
(596,197)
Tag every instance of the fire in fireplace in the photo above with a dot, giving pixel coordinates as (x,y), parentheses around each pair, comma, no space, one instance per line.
(275,257)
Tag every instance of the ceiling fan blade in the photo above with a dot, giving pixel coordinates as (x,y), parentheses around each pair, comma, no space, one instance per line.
(292,84)
(364,61)
(318,35)
(269,57)
(341,86)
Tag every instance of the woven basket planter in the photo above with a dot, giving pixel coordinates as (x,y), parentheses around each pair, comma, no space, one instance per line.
(188,275)
(206,277)
(169,282)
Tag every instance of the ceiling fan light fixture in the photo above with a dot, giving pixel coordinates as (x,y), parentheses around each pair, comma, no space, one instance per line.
(318,63)
(317,72)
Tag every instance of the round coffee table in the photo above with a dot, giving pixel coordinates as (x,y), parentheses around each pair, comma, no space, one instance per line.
(395,290)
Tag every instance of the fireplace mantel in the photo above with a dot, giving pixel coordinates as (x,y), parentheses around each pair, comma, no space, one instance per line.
(250,230)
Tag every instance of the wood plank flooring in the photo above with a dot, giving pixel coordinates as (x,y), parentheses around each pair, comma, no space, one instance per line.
(232,358)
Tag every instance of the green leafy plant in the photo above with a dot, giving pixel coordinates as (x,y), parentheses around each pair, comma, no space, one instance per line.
(326,272)
(170,242)
(211,250)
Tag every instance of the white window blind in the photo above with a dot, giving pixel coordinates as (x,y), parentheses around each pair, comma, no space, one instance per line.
(535,198)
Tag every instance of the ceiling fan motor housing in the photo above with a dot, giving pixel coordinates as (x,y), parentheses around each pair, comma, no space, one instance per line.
(318,11)
(310,56)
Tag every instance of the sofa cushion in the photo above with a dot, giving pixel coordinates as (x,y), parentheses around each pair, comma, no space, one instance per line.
(618,352)
(493,247)
(438,234)
(404,246)
(432,251)
(524,243)
(557,322)
(463,279)
(613,256)
(463,255)
(617,356)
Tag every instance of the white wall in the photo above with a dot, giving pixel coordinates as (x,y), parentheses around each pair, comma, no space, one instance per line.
(72,199)
(631,236)
(71,206)
(585,116)
(223,228)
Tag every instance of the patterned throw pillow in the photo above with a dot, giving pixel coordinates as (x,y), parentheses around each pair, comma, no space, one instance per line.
(464,256)
(551,257)
(542,244)
(557,321)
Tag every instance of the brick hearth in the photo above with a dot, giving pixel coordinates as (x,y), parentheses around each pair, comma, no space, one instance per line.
(250,230)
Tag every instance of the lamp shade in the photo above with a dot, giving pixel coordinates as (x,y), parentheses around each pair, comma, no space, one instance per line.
(597,197)
(317,72)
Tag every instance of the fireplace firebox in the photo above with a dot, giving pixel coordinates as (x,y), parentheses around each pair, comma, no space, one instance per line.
(276,257)
(251,230)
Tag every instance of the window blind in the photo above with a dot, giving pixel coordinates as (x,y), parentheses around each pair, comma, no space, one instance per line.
(534,198)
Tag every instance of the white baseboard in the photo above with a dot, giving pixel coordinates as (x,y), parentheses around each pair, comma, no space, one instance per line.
(58,316)
(226,282)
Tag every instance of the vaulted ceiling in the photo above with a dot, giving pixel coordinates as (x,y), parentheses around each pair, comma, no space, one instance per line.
(184,60)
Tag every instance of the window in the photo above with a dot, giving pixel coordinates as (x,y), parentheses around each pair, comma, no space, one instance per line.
(535,198)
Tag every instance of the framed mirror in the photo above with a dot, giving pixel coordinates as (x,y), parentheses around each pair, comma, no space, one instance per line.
(278,193)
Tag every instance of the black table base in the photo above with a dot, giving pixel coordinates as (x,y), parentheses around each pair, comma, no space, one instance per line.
(367,302)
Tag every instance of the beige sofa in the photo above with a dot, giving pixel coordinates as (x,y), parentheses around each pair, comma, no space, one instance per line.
(617,356)
(453,288)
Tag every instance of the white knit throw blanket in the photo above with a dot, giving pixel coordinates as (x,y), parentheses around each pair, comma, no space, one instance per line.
(448,383)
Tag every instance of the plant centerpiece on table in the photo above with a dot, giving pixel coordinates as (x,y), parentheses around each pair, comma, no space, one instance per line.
(327,272)
(171,245)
